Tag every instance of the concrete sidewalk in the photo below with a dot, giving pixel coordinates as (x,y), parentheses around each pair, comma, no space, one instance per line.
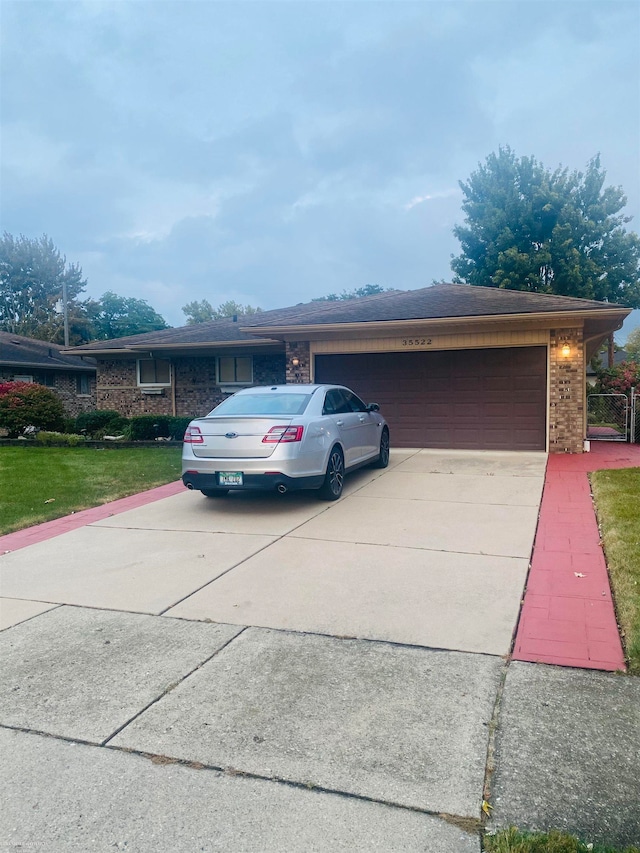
(261,673)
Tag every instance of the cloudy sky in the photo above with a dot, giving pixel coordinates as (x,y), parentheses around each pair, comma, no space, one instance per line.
(274,152)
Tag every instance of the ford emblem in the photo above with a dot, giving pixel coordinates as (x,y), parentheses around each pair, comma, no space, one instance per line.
(231,435)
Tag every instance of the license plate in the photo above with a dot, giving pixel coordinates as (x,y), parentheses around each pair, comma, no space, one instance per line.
(230,478)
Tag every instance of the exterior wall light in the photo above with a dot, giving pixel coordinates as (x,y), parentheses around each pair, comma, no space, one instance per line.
(295,362)
(566,350)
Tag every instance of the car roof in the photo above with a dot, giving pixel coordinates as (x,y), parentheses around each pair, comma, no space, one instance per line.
(287,389)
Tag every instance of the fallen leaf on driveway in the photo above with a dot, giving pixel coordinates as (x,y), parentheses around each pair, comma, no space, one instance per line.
(579,575)
(487,808)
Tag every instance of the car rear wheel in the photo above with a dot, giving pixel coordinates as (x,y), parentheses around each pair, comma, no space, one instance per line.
(333,484)
(214,493)
(383,457)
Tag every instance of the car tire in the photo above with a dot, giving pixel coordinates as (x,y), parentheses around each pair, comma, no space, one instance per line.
(383,457)
(333,484)
(214,493)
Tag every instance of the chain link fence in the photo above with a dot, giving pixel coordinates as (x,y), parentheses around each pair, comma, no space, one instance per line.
(608,417)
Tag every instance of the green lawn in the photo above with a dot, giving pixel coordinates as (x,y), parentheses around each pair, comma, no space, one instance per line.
(42,483)
(513,841)
(617,499)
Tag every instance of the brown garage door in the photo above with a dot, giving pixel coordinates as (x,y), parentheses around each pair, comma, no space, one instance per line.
(489,399)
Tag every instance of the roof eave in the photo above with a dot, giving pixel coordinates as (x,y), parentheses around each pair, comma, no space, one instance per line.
(39,365)
(136,349)
(549,317)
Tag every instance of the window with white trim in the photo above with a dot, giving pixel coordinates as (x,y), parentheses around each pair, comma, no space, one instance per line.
(154,371)
(235,370)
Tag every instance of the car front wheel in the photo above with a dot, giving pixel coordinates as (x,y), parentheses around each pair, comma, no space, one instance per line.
(383,457)
(333,484)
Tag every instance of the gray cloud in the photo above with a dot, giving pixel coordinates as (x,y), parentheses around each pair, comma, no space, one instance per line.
(273,152)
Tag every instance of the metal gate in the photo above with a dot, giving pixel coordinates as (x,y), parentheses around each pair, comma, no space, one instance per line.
(608,417)
(634,414)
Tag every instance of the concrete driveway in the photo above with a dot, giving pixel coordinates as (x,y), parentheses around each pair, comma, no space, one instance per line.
(264,673)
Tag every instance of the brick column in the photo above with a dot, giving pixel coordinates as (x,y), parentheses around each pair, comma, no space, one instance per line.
(566,391)
(302,372)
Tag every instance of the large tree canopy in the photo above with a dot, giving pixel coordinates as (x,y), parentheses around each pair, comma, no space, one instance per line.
(114,316)
(203,311)
(33,279)
(33,276)
(366,290)
(562,232)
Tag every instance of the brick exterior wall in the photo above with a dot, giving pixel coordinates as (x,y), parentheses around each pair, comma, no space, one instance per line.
(63,383)
(566,392)
(301,373)
(196,389)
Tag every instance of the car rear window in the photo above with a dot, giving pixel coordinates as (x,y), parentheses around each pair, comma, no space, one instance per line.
(263,404)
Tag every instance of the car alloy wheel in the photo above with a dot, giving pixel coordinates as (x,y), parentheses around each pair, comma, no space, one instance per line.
(334,478)
(383,457)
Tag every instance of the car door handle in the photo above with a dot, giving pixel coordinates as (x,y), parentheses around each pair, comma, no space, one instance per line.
(339,423)
(362,419)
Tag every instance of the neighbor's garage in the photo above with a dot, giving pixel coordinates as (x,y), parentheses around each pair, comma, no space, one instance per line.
(477,399)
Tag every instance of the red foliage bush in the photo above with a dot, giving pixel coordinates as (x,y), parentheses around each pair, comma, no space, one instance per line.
(24,404)
(620,379)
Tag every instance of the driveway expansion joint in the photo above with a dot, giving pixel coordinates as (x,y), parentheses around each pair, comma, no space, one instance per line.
(471,825)
(170,688)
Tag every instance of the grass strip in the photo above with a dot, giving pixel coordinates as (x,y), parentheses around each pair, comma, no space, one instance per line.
(43,483)
(513,841)
(617,499)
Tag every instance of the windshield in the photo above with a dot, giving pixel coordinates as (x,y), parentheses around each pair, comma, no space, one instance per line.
(263,404)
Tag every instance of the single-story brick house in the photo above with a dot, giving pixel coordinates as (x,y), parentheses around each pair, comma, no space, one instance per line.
(72,377)
(452,366)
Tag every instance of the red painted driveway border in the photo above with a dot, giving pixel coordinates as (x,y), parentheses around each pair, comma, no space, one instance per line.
(49,529)
(568,616)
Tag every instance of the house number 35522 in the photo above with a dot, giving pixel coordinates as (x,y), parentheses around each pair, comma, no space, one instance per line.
(416,342)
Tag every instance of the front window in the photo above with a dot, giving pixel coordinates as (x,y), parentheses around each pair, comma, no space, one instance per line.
(83,383)
(154,371)
(235,371)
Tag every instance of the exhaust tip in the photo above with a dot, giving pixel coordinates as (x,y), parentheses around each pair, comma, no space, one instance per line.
(282,488)
(190,486)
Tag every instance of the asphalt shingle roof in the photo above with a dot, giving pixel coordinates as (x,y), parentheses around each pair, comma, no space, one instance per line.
(438,301)
(18,351)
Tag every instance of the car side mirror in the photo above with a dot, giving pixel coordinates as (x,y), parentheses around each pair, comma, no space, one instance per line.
(373,407)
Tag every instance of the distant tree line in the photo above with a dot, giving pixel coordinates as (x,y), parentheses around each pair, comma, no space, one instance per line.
(35,282)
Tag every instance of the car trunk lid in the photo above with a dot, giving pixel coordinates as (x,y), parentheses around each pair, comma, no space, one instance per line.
(236,437)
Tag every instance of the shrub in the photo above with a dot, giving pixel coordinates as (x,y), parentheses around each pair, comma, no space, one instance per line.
(59,438)
(619,379)
(177,427)
(99,421)
(150,427)
(24,404)
(118,425)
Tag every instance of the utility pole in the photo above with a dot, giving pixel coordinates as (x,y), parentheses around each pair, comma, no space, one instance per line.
(65,311)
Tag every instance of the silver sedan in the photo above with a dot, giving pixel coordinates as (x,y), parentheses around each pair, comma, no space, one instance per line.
(283,437)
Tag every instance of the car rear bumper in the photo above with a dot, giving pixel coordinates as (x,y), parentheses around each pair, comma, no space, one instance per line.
(252,482)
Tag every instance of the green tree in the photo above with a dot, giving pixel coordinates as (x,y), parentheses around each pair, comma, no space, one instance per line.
(33,277)
(203,311)
(632,345)
(367,290)
(114,316)
(562,232)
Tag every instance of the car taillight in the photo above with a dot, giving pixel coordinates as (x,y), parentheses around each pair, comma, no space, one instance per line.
(193,435)
(283,433)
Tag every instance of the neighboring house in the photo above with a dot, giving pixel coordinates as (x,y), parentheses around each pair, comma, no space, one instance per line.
(72,377)
(619,356)
(452,366)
